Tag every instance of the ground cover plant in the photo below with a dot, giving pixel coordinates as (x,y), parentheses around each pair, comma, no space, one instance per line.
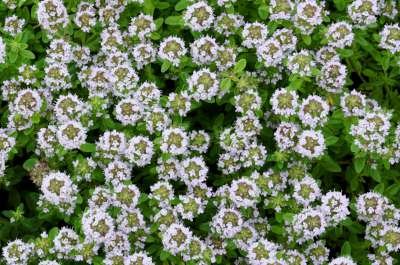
(199,132)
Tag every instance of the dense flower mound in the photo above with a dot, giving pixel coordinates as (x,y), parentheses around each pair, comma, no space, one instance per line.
(262,132)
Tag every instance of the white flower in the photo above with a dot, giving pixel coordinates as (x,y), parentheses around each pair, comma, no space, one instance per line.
(248,125)
(363,12)
(389,237)
(326,54)
(311,144)
(172,49)
(81,55)
(228,24)
(335,205)
(254,34)
(60,50)
(179,103)
(308,224)
(244,192)
(190,206)
(57,76)
(332,77)
(340,34)
(390,38)
(313,111)
(174,141)
(138,258)
(204,50)
(199,141)
(118,242)
(141,26)
(52,15)
(7,142)
(199,16)
(370,206)
(148,94)
(262,251)
(100,198)
(47,140)
(203,85)
(112,142)
(17,252)
(353,103)
(309,14)
(286,135)
(130,221)
(126,196)
(2,51)
(85,17)
(168,169)
(69,107)
(97,226)
(13,25)
(117,172)
(281,9)
(286,38)
(65,243)
(125,80)
(226,58)
(306,191)
(143,53)
(27,102)
(176,238)
(227,222)
(371,131)
(58,189)
(270,53)
(129,111)
(193,170)
(301,63)
(317,252)
(284,102)
(139,151)
(342,261)
(71,135)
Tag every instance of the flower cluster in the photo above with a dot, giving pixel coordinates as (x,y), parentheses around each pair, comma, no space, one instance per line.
(199,132)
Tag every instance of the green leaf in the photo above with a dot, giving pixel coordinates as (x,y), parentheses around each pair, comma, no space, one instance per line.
(359,164)
(27,54)
(174,21)
(88,148)
(53,232)
(276,229)
(148,7)
(164,255)
(329,164)
(340,4)
(240,66)
(307,39)
(181,5)
(159,22)
(263,12)
(165,66)
(346,53)
(380,188)
(376,175)
(162,5)
(346,249)
(226,84)
(30,163)
(331,140)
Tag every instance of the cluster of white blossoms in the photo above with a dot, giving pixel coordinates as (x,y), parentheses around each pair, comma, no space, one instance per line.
(177,148)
